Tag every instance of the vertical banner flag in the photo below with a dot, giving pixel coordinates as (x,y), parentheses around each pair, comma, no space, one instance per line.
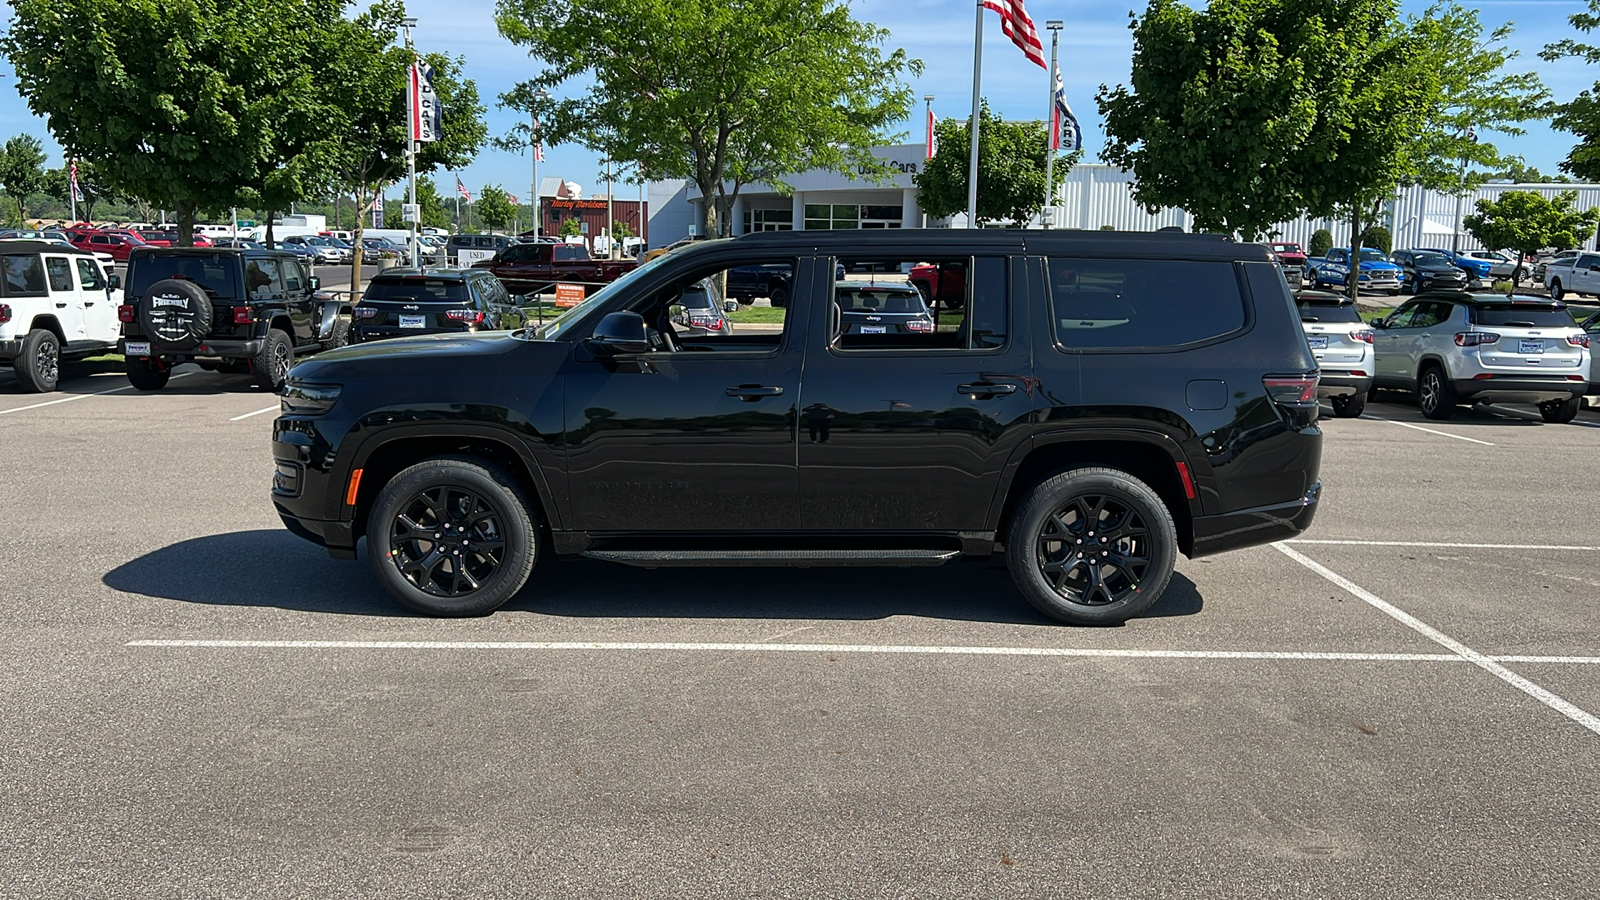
(933,140)
(1064,129)
(77,192)
(424,103)
(538,148)
(1014,21)
(462,189)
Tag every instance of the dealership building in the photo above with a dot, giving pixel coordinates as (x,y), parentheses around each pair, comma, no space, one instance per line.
(1092,197)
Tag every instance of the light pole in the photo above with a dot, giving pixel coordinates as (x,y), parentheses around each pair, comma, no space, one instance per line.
(927,120)
(1461,198)
(412,75)
(1049,212)
(533,151)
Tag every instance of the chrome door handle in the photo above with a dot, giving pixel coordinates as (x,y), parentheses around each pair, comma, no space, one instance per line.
(986,389)
(753,392)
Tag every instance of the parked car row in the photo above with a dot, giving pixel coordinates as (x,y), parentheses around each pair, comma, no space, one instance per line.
(1417,269)
(1451,347)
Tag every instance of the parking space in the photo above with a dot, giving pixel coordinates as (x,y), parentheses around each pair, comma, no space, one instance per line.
(176,665)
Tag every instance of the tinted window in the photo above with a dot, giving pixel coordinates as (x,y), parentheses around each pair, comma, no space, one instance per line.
(1587,260)
(990,309)
(262,278)
(24,276)
(421,290)
(1326,311)
(1526,316)
(1142,303)
(571,252)
(893,303)
(60,273)
(1436,258)
(1430,314)
(89,275)
(213,273)
(1373,255)
(291,274)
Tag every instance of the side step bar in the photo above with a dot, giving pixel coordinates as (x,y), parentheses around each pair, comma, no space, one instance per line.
(652,559)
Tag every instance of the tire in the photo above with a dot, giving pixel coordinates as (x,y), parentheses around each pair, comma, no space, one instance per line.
(340,336)
(1556,293)
(1435,397)
(176,314)
(778,296)
(1560,412)
(1394,293)
(1058,515)
(38,366)
(484,507)
(147,374)
(1349,406)
(271,366)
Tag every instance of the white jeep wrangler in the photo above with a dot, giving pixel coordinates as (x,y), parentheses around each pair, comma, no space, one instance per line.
(54,306)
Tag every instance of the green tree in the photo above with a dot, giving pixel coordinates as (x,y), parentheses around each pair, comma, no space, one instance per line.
(1516,172)
(434,213)
(571,228)
(1526,222)
(722,94)
(1011,167)
(1580,116)
(1378,238)
(22,172)
(494,206)
(1321,243)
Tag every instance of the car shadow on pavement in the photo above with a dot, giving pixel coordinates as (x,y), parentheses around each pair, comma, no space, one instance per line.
(286,572)
(1513,415)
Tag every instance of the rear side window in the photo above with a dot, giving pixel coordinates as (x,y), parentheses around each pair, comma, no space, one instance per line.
(1117,303)
(24,276)
(1313,311)
(421,290)
(1511,314)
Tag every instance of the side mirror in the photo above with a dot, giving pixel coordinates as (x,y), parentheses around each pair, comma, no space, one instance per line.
(619,333)
(313,283)
(113,282)
(730,306)
(1380,323)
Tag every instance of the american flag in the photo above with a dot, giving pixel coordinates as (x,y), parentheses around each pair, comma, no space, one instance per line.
(538,148)
(933,141)
(462,189)
(1014,21)
(1064,130)
(513,199)
(77,192)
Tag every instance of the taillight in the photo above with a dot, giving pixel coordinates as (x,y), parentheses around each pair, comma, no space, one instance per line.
(364,312)
(125,313)
(710,323)
(5,313)
(1474,338)
(470,316)
(1578,340)
(1362,334)
(1291,389)
(922,326)
(241,315)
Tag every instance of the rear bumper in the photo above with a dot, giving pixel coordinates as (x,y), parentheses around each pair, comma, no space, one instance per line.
(1342,384)
(225,349)
(1517,390)
(10,349)
(1253,527)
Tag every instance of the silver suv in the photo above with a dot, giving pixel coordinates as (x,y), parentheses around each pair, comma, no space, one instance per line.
(1452,348)
(1342,345)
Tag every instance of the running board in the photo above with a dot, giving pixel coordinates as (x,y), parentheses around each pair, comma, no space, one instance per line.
(652,559)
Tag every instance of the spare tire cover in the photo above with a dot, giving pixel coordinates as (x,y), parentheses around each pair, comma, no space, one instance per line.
(176,314)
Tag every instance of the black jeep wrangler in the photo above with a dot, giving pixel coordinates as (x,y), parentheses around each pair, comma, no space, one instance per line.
(232,311)
(1094,405)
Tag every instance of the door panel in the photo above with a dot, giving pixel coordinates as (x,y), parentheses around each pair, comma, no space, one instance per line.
(66,302)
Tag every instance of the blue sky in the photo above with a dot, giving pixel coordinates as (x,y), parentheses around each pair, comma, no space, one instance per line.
(1095,48)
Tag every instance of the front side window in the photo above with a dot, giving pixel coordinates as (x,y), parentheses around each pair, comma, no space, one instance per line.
(1430,314)
(1125,303)
(89,275)
(292,277)
(24,276)
(60,271)
(690,313)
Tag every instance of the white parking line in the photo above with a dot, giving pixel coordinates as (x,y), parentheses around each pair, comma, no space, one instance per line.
(256,413)
(1428,430)
(1444,545)
(718,647)
(1586,719)
(126,387)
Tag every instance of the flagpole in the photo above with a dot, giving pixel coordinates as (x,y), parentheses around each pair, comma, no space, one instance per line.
(927,121)
(1051,128)
(977,87)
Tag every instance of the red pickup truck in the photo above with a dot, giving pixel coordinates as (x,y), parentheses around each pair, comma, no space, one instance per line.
(538,268)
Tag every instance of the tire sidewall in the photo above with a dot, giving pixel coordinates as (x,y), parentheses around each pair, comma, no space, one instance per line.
(29,377)
(264,365)
(1050,495)
(518,526)
(161,314)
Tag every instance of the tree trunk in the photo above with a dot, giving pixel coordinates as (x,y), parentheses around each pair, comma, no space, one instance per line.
(1355,251)
(185,213)
(268,234)
(708,214)
(355,235)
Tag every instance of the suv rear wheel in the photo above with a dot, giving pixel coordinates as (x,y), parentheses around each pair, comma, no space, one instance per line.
(1350,406)
(452,536)
(271,366)
(1435,396)
(147,374)
(1560,411)
(1556,292)
(1092,546)
(38,367)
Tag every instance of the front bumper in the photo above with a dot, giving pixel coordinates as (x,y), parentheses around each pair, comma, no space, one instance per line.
(1517,390)
(1253,527)
(1341,384)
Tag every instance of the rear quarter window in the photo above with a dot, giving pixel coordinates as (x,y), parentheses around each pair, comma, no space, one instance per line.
(1126,303)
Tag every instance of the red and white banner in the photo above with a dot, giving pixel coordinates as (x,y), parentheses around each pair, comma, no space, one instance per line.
(538,148)
(933,139)
(1014,21)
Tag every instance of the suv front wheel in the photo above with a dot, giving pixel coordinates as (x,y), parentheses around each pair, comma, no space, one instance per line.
(1092,546)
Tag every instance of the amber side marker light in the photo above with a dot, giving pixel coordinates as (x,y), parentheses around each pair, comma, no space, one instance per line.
(355,488)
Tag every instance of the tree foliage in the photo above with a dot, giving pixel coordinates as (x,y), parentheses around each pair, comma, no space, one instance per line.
(22,171)
(434,213)
(494,206)
(1378,238)
(1527,222)
(571,228)
(1321,243)
(1580,116)
(721,94)
(1011,167)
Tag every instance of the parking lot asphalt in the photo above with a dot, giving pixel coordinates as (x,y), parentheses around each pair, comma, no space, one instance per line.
(194,703)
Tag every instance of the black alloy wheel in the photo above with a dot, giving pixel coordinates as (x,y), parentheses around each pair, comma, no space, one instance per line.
(453,536)
(38,367)
(1091,546)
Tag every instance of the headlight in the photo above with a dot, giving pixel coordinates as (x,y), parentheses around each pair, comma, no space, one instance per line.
(304,399)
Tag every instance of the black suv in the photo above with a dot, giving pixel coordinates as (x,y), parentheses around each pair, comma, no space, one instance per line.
(1098,404)
(235,311)
(402,302)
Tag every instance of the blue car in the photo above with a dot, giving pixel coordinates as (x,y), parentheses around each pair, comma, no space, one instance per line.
(1376,273)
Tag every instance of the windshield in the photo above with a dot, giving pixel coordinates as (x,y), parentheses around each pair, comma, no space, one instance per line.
(1525,315)
(1286,248)
(211,271)
(417,289)
(1428,256)
(1373,255)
